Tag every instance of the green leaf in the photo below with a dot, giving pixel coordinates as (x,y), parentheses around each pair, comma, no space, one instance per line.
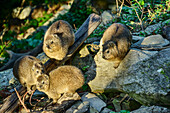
(141,2)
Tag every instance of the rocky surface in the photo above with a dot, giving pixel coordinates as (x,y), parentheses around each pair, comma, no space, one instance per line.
(150,29)
(151,109)
(152,41)
(94,101)
(142,74)
(5,77)
(79,107)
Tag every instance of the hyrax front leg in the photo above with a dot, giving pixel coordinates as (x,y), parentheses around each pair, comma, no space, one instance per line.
(55,98)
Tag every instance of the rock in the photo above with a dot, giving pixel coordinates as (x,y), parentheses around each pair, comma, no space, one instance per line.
(155,40)
(25,13)
(106,110)
(93,110)
(150,29)
(95,102)
(64,98)
(106,17)
(79,107)
(43,57)
(151,109)
(5,77)
(137,38)
(166,32)
(152,41)
(138,74)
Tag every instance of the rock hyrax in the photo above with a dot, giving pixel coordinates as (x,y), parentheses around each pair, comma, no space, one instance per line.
(58,38)
(26,69)
(63,80)
(115,43)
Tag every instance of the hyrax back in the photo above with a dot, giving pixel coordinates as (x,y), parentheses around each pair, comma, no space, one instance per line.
(58,38)
(63,80)
(26,69)
(115,43)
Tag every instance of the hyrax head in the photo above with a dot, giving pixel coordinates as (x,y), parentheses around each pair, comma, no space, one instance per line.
(52,43)
(109,51)
(43,83)
(37,68)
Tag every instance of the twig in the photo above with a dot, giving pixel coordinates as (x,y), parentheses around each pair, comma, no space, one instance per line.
(123,98)
(121,7)
(31,97)
(21,100)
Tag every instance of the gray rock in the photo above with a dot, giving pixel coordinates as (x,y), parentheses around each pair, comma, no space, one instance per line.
(93,110)
(144,75)
(106,110)
(43,57)
(25,12)
(106,17)
(151,109)
(137,38)
(152,41)
(79,107)
(94,101)
(5,77)
(150,29)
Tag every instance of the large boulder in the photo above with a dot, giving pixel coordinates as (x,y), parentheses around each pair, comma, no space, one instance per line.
(144,75)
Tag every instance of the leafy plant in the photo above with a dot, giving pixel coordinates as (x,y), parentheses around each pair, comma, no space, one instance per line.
(77,15)
(143,12)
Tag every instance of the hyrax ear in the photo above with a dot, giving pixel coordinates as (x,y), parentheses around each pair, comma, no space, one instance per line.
(111,44)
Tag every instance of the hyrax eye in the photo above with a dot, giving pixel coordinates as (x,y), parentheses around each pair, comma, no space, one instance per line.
(52,42)
(107,51)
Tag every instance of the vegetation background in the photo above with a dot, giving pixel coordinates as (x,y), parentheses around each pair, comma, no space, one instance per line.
(136,14)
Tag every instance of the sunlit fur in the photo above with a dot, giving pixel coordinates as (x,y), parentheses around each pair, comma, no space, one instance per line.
(58,38)
(115,43)
(26,69)
(63,80)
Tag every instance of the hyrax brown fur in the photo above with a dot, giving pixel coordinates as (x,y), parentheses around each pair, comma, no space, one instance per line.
(58,38)
(63,80)
(115,43)
(26,69)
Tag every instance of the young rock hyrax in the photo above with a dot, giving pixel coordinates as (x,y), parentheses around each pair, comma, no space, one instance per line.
(115,43)
(26,69)
(58,38)
(63,80)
